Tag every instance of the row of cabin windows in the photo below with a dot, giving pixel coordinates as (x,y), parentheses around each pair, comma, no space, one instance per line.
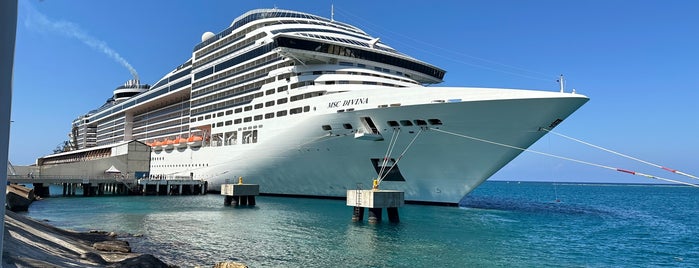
(362,73)
(262,105)
(236,47)
(199,89)
(405,123)
(259,117)
(181,165)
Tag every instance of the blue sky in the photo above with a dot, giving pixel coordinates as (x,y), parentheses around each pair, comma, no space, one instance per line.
(638,61)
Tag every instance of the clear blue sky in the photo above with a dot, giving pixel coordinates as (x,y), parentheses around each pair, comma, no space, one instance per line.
(638,61)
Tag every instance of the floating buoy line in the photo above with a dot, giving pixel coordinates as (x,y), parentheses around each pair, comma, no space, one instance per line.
(585,162)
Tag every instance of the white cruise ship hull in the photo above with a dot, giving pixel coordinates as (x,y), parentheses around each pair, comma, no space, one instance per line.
(295,156)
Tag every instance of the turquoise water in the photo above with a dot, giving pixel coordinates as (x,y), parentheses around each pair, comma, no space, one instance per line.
(499,224)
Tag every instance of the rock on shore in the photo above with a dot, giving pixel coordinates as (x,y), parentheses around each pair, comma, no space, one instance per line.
(30,243)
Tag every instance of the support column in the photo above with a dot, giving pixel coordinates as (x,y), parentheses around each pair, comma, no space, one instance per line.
(392,214)
(358,214)
(374,215)
(65,188)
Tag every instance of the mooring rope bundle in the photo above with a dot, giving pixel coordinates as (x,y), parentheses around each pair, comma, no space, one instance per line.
(580,161)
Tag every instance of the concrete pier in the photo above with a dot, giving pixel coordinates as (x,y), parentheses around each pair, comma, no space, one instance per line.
(375,201)
(172,187)
(239,194)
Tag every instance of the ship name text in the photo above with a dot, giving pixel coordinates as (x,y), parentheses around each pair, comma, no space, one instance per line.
(349,102)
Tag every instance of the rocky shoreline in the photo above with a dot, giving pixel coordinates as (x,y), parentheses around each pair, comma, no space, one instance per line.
(31,243)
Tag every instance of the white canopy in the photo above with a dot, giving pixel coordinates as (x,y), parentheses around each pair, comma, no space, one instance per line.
(112,169)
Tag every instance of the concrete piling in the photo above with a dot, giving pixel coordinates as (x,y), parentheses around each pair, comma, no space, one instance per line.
(375,200)
(240,194)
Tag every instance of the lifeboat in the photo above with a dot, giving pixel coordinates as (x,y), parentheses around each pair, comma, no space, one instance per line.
(194,141)
(168,144)
(180,143)
(157,145)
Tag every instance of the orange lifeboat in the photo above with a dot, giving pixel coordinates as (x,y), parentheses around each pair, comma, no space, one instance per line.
(157,145)
(168,144)
(180,142)
(194,141)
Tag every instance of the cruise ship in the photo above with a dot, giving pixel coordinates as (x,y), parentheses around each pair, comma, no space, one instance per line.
(308,106)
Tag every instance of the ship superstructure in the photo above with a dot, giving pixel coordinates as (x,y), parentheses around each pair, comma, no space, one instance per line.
(309,106)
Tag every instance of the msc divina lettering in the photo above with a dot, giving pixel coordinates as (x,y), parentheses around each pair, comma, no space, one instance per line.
(308,106)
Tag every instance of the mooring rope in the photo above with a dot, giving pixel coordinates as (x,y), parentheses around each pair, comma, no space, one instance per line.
(567,158)
(400,156)
(622,155)
(389,150)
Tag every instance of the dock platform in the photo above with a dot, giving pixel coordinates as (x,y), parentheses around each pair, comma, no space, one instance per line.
(375,201)
(239,194)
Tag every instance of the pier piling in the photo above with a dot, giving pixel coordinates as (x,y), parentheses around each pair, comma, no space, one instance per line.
(240,194)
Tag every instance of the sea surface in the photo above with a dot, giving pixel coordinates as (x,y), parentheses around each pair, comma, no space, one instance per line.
(500,224)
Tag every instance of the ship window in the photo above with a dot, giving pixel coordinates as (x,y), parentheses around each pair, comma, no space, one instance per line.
(280,89)
(229,112)
(326,127)
(392,123)
(281,113)
(258,117)
(269,103)
(269,92)
(347,126)
(248,108)
(229,122)
(237,121)
(280,101)
(269,115)
(219,114)
(259,105)
(219,124)
(238,110)
(192,120)
(406,123)
(420,122)
(207,116)
(344,82)
(383,105)
(434,121)
(295,110)
(306,108)
(248,119)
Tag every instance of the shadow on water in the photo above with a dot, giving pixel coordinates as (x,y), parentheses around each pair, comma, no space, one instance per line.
(529,206)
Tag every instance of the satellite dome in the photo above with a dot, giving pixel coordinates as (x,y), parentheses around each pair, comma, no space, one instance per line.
(206,36)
